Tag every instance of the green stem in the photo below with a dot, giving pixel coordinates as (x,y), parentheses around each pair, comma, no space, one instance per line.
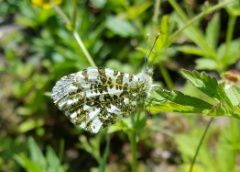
(61,13)
(178,10)
(86,53)
(104,159)
(200,144)
(75,34)
(132,137)
(74,14)
(61,149)
(166,77)
(155,15)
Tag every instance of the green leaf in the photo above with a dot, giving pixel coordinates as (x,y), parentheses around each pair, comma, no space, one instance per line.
(206,63)
(223,109)
(233,8)
(37,162)
(227,142)
(30,124)
(230,55)
(36,154)
(98,3)
(103,164)
(120,27)
(192,50)
(212,32)
(140,124)
(53,161)
(236,112)
(233,94)
(207,85)
(123,125)
(164,34)
(133,12)
(187,144)
(27,164)
(173,107)
(175,101)
(196,35)
(26,22)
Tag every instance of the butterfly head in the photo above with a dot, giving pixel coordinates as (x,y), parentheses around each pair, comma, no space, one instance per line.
(146,77)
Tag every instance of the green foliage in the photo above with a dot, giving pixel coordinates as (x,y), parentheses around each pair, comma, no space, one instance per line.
(226,101)
(225,148)
(175,101)
(92,146)
(120,27)
(8,148)
(47,44)
(213,57)
(37,162)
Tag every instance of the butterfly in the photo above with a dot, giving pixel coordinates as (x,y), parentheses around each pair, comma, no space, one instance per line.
(99,97)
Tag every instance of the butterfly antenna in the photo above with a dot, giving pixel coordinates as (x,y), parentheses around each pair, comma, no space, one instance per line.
(147,57)
(146,47)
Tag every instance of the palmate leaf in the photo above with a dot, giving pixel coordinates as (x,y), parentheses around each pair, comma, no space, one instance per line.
(207,85)
(227,98)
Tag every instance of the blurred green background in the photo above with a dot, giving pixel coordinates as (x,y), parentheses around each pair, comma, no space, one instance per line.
(39,46)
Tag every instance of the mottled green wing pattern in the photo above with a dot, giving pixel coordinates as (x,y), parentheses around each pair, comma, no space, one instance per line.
(98,97)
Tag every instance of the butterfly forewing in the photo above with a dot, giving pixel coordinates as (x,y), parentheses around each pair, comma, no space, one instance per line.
(97,97)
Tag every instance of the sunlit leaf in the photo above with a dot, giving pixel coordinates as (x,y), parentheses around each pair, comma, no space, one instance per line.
(120,27)
(207,85)
(175,101)
(212,31)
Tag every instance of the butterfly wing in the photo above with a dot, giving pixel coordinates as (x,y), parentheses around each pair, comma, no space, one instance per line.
(97,97)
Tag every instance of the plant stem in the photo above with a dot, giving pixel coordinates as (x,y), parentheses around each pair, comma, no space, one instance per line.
(61,149)
(166,77)
(200,144)
(104,159)
(155,15)
(132,137)
(86,53)
(61,13)
(75,34)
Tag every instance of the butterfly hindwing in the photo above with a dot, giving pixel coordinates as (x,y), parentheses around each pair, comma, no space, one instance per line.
(97,97)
